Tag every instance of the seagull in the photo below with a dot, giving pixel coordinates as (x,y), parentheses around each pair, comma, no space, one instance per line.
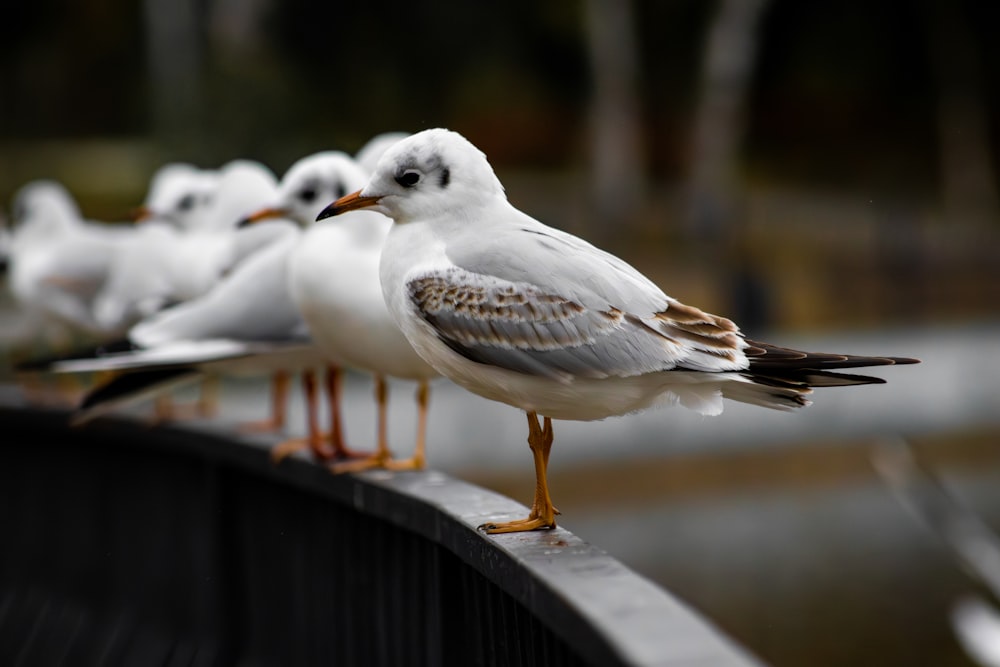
(528,315)
(213,245)
(179,193)
(246,324)
(58,260)
(368,155)
(57,263)
(139,273)
(187,240)
(191,255)
(333,277)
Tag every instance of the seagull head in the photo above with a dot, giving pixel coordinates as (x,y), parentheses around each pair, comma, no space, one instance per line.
(43,205)
(179,194)
(309,185)
(429,175)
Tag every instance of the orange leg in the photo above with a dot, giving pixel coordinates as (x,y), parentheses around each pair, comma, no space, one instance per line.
(314,435)
(543,514)
(314,439)
(70,388)
(62,391)
(334,392)
(163,408)
(382,455)
(280,383)
(207,406)
(166,409)
(419,459)
(32,388)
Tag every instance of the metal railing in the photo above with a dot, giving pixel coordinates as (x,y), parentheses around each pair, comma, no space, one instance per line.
(125,544)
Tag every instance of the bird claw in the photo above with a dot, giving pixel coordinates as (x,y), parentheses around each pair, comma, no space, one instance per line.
(370,462)
(518,525)
(262,426)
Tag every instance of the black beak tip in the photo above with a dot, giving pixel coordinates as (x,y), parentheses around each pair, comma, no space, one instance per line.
(328,212)
(244,222)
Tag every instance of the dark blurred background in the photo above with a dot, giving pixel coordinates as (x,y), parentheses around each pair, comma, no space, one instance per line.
(814,170)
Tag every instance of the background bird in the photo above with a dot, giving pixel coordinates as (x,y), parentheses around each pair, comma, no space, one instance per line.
(333,277)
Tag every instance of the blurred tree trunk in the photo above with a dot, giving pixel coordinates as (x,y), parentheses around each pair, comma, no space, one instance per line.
(727,67)
(968,179)
(175,55)
(238,28)
(615,158)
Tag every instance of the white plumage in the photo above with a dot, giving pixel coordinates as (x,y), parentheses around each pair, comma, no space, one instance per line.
(525,314)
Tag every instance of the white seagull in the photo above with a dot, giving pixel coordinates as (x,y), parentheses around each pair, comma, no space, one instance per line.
(246,325)
(139,273)
(531,316)
(192,252)
(179,193)
(333,277)
(58,261)
(369,154)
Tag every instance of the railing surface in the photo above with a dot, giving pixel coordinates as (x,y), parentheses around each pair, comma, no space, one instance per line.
(125,544)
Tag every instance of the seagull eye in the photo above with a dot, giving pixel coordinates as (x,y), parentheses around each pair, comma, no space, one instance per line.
(307,195)
(186,203)
(339,190)
(408,178)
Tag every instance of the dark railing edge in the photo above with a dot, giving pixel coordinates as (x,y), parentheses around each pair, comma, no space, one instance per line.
(578,590)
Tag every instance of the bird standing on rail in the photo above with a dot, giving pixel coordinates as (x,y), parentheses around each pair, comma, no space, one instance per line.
(527,315)
(333,277)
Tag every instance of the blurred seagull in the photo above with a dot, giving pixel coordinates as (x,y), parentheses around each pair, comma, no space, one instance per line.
(179,193)
(213,244)
(188,239)
(525,314)
(194,255)
(368,155)
(139,275)
(333,277)
(58,261)
(247,324)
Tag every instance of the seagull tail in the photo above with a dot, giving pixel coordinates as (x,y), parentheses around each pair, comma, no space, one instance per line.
(130,387)
(782,378)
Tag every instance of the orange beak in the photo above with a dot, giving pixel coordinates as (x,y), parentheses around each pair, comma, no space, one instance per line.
(263,214)
(350,202)
(140,213)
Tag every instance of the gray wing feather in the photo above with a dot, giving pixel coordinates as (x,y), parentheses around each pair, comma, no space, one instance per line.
(531,298)
(558,263)
(521,327)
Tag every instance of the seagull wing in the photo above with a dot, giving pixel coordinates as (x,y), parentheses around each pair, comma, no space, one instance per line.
(560,308)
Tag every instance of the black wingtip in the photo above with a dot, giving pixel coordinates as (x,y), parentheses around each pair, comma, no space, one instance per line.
(129,387)
(131,384)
